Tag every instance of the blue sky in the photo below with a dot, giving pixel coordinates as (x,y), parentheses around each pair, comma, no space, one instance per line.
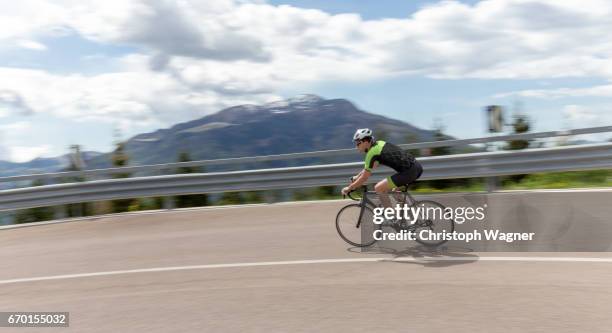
(369,10)
(73,74)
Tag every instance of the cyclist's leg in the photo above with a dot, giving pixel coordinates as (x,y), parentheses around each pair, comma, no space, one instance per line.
(406,178)
(382,188)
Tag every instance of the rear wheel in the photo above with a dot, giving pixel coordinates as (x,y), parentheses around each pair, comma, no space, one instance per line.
(355,225)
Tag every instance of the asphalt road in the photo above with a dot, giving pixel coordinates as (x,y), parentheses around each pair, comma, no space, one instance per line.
(282,268)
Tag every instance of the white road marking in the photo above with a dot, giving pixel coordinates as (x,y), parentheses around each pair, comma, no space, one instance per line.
(307,262)
(180,268)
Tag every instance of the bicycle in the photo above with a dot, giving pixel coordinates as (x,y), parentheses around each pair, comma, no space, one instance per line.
(347,225)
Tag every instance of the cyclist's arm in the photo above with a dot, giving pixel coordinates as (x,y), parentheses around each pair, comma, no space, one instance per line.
(364,170)
(362,177)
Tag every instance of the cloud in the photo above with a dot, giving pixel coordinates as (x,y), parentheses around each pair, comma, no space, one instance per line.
(15,127)
(20,154)
(131,98)
(595,91)
(578,112)
(582,116)
(10,147)
(168,28)
(197,57)
(32,45)
(13,102)
(491,39)
(587,115)
(26,18)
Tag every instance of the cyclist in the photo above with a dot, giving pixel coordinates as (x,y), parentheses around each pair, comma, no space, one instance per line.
(385,153)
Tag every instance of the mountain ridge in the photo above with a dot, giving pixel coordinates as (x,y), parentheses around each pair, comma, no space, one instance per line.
(298,124)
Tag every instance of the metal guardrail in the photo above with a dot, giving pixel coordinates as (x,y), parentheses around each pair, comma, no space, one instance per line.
(570,158)
(313,154)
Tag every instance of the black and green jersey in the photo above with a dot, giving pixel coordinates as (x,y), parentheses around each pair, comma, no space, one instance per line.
(390,155)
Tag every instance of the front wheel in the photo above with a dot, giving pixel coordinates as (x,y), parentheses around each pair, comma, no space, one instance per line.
(355,225)
(432,219)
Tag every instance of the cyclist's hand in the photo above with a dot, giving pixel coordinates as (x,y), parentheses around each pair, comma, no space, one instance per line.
(346,190)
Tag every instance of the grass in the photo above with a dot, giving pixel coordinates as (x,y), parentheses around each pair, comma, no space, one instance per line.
(563,180)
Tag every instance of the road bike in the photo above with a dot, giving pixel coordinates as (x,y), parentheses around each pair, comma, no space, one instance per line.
(355,222)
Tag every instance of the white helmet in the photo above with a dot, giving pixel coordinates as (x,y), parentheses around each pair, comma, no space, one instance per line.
(362,133)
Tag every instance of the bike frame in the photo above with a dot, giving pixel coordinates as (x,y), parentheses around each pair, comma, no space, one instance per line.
(409,223)
(364,201)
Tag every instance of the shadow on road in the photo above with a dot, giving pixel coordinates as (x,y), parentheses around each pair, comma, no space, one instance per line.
(442,256)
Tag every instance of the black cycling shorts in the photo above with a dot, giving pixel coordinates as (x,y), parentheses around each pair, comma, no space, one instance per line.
(407,177)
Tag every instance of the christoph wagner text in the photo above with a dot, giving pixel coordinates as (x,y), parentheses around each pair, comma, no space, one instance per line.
(467,237)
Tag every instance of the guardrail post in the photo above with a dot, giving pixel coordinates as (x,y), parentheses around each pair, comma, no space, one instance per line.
(169,203)
(492,181)
(7,218)
(59,212)
(492,184)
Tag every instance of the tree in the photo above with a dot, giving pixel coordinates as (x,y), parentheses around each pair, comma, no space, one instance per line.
(438,151)
(439,136)
(120,159)
(76,164)
(412,138)
(445,150)
(520,124)
(191,200)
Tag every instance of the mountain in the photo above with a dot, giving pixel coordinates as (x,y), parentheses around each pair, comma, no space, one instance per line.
(300,124)
(38,165)
(41,165)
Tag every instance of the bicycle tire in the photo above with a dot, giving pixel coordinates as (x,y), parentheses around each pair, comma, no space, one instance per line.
(344,237)
(450,222)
